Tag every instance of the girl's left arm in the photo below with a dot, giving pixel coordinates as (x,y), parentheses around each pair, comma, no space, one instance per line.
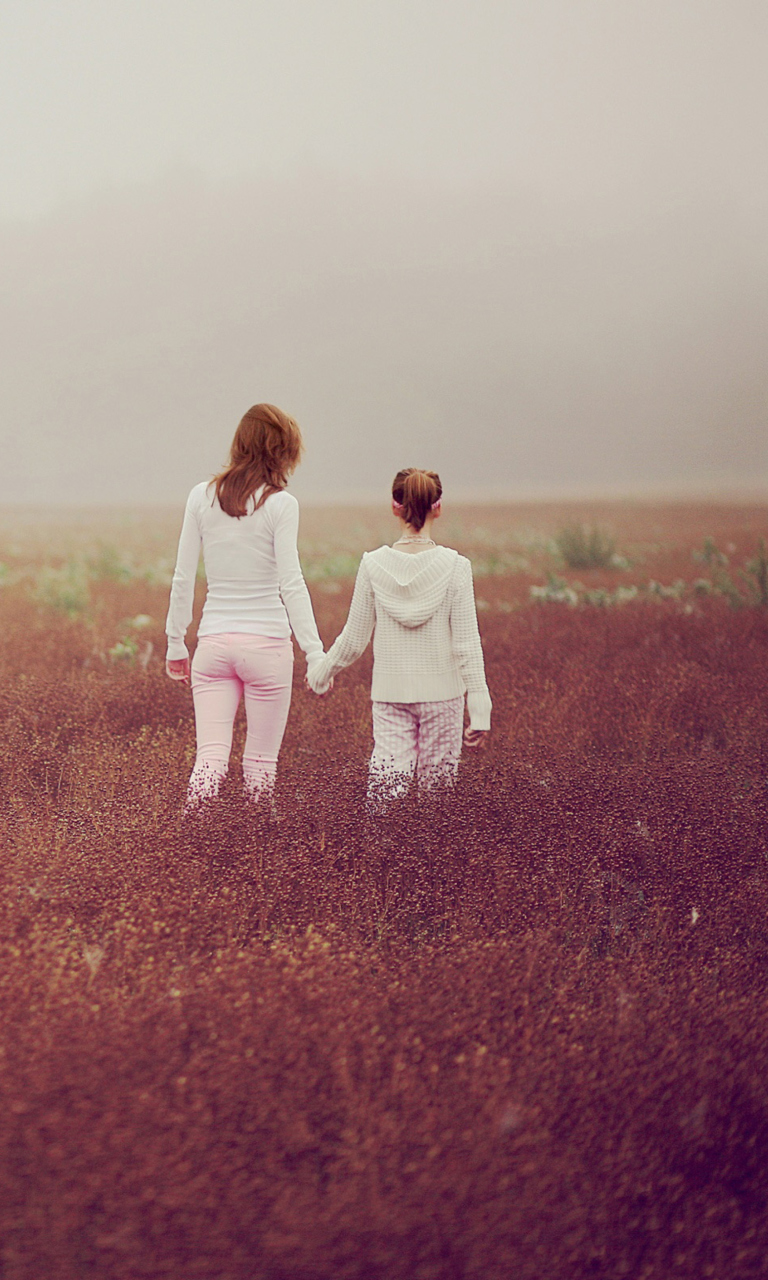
(293,588)
(183,585)
(468,649)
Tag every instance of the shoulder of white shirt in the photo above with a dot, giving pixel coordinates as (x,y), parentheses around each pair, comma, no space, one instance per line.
(202,491)
(199,491)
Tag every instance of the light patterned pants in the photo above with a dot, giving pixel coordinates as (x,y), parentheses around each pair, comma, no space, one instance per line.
(421,738)
(226,667)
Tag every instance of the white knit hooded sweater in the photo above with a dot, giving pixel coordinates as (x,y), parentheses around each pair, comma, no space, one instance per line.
(420,609)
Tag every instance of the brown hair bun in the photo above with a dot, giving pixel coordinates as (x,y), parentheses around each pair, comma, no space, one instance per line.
(416,492)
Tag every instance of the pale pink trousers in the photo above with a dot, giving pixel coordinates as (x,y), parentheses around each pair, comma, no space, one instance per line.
(225,668)
(414,738)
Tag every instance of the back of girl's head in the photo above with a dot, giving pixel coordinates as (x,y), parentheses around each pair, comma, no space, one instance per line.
(416,492)
(267,447)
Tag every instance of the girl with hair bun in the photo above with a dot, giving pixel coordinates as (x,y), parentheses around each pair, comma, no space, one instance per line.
(246,524)
(416,599)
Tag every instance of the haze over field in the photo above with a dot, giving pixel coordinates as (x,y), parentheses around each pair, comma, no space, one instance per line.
(522,245)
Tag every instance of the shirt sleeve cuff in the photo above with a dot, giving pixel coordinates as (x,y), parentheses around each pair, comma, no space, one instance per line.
(479,708)
(318,678)
(176,650)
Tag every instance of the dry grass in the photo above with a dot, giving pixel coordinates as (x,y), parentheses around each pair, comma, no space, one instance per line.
(520,1031)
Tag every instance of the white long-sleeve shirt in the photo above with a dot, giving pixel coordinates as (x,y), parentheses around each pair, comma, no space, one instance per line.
(420,609)
(255,583)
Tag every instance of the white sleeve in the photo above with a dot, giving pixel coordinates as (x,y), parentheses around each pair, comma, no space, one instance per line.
(183,584)
(293,588)
(465,637)
(354,639)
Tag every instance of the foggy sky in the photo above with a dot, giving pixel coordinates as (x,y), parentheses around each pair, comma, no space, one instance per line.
(524,245)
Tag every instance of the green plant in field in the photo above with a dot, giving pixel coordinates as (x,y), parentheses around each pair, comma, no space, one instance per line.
(756,576)
(657,590)
(753,588)
(331,566)
(66,589)
(604,598)
(710,555)
(499,562)
(556,591)
(127,650)
(158,573)
(582,548)
(721,582)
(106,565)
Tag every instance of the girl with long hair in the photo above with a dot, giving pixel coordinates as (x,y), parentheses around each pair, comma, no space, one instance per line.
(417,600)
(246,524)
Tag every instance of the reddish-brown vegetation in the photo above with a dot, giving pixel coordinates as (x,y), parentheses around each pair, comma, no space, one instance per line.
(515,1032)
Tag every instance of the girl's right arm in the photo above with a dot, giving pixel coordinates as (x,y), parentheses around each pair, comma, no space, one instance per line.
(183,587)
(353,640)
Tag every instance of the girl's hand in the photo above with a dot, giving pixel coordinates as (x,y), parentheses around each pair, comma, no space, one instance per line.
(325,692)
(475,738)
(178,669)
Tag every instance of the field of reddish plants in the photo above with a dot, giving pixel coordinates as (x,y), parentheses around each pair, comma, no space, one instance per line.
(515,1033)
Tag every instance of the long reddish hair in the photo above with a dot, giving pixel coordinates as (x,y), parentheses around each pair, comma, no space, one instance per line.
(416,492)
(267,447)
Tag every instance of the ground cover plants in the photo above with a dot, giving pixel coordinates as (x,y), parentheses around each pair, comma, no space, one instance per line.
(516,1032)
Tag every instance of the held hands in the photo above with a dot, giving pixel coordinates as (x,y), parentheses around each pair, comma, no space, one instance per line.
(475,739)
(178,669)
(313,664)
(324,693)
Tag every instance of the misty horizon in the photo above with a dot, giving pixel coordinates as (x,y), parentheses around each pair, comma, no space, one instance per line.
(526,250)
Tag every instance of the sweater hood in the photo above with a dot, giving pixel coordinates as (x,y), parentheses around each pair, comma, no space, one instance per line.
(410,588)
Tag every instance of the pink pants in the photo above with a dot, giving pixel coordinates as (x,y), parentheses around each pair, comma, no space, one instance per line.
(422,738)
(224,667)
